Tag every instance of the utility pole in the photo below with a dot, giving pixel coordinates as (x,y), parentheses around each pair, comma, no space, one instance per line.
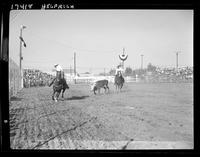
(123,61)
(142,61)
(20,56)
(177,59)
(75,67)
(70,70)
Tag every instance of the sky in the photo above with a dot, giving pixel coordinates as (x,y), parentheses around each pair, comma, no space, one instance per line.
(99,36)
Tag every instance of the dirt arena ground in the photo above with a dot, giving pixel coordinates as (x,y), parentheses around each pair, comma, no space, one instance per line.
(142,116)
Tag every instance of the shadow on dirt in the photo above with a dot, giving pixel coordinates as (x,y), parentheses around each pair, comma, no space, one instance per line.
(77,97)
(15,99)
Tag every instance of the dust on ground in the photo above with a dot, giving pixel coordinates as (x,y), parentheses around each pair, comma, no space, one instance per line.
(142,116)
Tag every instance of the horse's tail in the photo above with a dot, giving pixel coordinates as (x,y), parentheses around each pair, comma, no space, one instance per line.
(64,83)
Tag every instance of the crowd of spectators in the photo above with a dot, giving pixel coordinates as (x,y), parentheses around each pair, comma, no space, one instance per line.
(34,78)
(172,74)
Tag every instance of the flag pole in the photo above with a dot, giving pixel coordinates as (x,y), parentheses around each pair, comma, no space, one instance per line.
(20,56)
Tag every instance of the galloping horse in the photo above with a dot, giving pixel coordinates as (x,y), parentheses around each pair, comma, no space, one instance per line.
(59,84)
(119,81)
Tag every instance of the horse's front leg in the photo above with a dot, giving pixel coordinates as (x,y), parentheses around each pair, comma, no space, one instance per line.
(56,96)
(53,95)
(63,93)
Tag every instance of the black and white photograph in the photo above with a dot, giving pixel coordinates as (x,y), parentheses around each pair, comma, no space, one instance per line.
(101,79)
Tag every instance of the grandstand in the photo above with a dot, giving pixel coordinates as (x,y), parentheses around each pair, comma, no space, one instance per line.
(36,78)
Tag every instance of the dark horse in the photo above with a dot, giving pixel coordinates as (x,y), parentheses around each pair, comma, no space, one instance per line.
(119,81)
(59,84)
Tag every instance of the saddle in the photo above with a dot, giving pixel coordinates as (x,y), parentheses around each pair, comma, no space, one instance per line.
(59,81)
(119,79)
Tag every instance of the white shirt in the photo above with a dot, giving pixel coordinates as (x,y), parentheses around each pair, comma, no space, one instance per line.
(59,68)
(119,69)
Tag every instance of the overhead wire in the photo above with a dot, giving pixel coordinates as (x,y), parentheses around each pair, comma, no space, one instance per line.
(70,61)
(72,47)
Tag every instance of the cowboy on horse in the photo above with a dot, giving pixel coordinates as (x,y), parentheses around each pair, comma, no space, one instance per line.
(119,70)
(59,71)
(59,82)
(119,80)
